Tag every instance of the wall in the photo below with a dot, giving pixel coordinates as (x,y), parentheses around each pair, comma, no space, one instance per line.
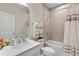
(20,15)
(39,13)
(58,16)
(46,23)
(53,28)
(53,21)
(57,23)
(35,16)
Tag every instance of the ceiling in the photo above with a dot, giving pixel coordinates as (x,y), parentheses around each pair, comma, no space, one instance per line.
(49,5)
(21,6)
(52,5)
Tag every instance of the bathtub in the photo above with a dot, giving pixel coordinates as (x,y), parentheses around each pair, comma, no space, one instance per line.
(57,46)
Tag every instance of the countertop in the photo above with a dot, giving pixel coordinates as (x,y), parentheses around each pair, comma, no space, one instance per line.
(16,50)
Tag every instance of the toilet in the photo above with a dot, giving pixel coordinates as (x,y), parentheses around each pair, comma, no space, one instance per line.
(47,51)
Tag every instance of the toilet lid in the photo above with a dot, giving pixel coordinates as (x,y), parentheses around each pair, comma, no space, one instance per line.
(48,49)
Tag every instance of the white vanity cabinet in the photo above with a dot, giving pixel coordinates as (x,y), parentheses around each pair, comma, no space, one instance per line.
(35,51)
(30,48)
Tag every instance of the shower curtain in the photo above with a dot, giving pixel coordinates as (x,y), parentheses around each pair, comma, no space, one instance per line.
(71,35)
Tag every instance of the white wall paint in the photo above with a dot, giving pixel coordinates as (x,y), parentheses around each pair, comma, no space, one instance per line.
(35,16)
(58,16)
(21,16)
(57,23)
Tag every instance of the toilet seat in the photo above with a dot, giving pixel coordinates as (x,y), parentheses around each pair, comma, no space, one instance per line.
(48,51)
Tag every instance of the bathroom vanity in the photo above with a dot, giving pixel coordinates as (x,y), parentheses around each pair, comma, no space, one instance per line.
(29,48)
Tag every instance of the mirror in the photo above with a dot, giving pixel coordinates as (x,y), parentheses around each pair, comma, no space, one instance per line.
(14,18)
(7,24)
